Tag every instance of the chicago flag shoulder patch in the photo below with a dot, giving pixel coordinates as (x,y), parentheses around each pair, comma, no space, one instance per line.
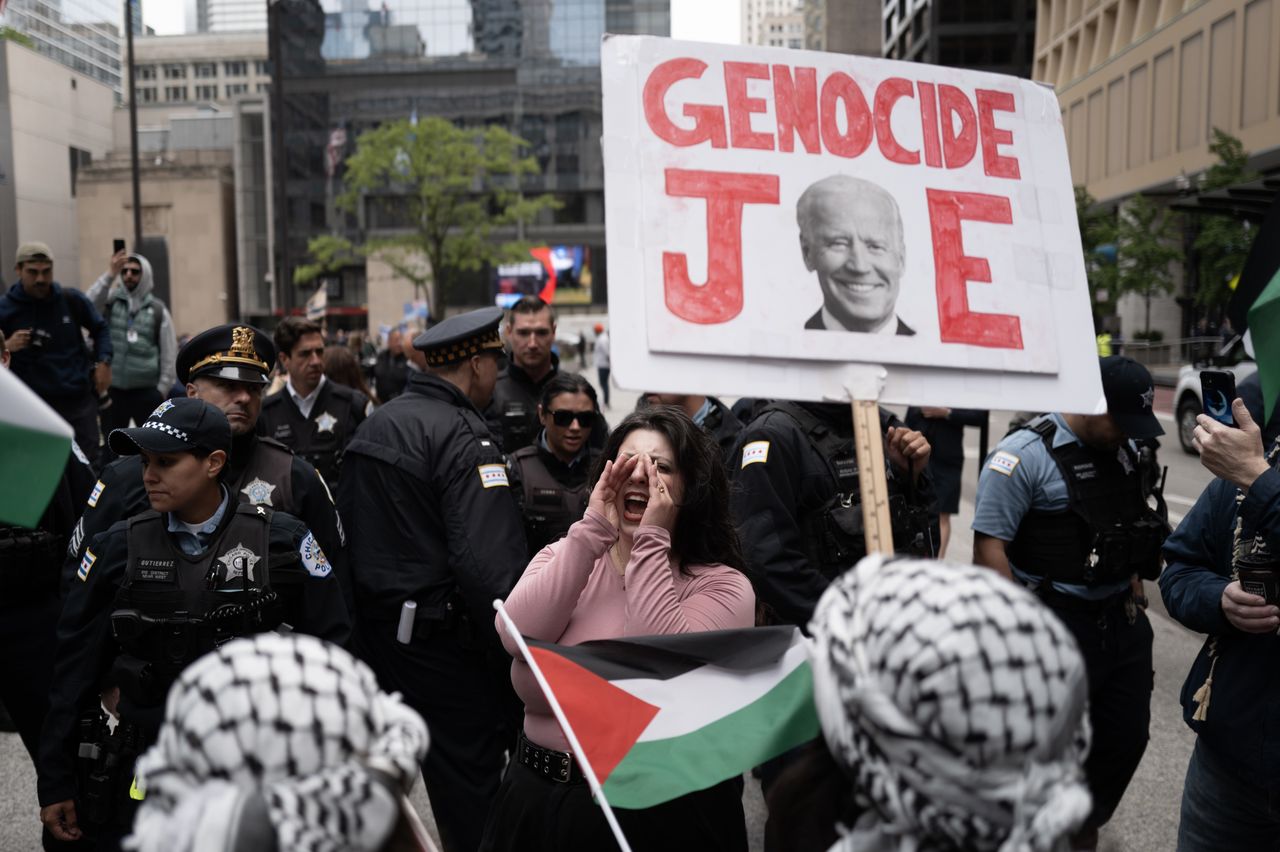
(1003,462)
(493,475)
(755,452)
(86,564)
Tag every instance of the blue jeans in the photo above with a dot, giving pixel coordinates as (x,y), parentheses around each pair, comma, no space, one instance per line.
(1222,812)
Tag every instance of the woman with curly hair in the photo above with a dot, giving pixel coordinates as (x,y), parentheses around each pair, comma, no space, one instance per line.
(656,553)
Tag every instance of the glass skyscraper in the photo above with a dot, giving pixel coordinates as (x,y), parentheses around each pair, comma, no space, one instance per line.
(531,66)
(84,35)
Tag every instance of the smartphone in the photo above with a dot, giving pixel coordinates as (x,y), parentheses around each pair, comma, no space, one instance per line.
(1218,391)
(117,246)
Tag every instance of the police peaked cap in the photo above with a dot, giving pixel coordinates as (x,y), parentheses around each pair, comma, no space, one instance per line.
(238,353)
(458,338)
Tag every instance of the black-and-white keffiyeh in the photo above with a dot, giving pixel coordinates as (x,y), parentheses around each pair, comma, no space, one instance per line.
(957,702)
(292,720)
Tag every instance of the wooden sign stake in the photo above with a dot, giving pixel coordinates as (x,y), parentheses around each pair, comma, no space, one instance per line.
(868,444)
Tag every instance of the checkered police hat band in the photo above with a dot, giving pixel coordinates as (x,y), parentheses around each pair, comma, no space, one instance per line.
(461,350)
(168,430)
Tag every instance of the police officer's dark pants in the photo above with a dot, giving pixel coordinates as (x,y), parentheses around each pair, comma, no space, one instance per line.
(82,413)
(27,632)
(1117,656)
(456,691)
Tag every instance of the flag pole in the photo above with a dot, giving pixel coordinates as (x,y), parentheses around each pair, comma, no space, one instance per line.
(578,752)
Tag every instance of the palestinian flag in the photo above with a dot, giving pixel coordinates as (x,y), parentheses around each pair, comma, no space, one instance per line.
(662,716)
(34,443)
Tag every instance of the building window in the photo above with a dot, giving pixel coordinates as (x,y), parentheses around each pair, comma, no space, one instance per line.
(262,87)
(235,69)
(175,72)
(146,94)
(79,159)
(206,69)
(260,67)
(206,93)
(234,89)
(175,93)
(144,72)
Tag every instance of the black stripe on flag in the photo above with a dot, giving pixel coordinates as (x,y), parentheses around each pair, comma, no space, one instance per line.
(665,657)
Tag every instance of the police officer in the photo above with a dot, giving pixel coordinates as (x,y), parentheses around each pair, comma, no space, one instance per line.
(30,560)
(228,366)
(554,472)
(157,591)
(798,506)
(311,415)
(715,418)
(437,534)
(1062,508)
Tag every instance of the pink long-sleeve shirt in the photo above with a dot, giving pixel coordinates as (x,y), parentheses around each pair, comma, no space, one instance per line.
(571,593)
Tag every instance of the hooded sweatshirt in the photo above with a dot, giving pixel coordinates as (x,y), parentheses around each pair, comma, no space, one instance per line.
(58,368)
(147,361)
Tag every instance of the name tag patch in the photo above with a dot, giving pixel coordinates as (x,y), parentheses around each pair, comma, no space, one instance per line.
(157,570)
(1003,462)
(86,564)
(756,451)
(96,494)
(493,475)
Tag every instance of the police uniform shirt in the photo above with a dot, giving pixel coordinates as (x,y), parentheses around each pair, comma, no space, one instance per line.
(1020,477)
(86,647)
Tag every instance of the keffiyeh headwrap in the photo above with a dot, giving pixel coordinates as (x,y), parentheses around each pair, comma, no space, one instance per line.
(956,701)
(289,721)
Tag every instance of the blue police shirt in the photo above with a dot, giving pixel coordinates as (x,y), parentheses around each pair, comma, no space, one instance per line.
(194,538)
(1020,476)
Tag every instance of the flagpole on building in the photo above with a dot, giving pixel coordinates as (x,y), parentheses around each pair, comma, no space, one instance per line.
(578,751)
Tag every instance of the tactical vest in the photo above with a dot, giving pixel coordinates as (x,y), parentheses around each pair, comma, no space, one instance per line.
(304,435)
(550,506)
(173,608)
(1106,534)
(267,479)
(135,364)
(30,560)
(832,533)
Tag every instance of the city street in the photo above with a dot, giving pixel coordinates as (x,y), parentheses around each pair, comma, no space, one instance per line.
(1145,822)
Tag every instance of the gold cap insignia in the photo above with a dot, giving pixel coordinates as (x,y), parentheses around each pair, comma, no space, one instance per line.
(242,341)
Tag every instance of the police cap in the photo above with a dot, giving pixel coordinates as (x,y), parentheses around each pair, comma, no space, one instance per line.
(176,426)
(458,338)
(239,353)
(1130,396)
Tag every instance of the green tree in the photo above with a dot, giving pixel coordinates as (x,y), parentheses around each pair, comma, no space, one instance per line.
(1097,229)
(10,34)
(449,187)
(1223,242)
(330,254)
(1147,242)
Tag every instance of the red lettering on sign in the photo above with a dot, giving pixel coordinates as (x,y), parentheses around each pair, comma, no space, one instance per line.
(954,270)
(741,107)
(887,94)
(840,87)
(958,146)
(796,107)
(929,124)
(708,121)
(720,299)
(993,162)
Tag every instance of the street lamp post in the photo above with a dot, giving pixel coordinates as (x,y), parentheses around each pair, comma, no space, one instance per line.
(133,129)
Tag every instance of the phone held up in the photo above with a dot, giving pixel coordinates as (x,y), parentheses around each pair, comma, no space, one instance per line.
(117,246)
(1218,391)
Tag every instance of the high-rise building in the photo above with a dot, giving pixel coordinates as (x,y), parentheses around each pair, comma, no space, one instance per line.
(783,30)
(843,26)
(530,66)
(85,35)
(227,16)
(204,69)
(982,35)
(755,13)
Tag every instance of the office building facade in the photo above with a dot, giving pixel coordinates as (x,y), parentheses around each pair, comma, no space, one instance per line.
(981,35)
(843,26)
(83,35)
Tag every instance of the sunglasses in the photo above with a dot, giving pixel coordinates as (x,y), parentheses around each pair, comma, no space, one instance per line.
(564,417)
(129,270)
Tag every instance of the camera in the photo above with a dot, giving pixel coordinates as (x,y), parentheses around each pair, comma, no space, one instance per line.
(39,337)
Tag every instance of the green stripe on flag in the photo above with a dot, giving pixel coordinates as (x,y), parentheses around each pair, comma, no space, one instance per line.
(32,462)
(1264,330)
(658,771)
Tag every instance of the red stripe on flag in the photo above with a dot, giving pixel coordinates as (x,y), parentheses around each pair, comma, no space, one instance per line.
(606,719)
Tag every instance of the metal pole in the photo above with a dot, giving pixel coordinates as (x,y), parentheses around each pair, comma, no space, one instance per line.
(133,129)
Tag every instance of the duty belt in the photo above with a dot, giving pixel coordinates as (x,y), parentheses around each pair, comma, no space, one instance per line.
(557,766)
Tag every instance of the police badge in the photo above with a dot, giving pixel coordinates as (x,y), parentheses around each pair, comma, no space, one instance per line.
(325,422)
(259,492)
(238,562)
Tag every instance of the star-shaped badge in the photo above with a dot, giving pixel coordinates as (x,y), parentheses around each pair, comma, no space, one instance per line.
(325,422)
(258,492)
(238,562)
(1148,397)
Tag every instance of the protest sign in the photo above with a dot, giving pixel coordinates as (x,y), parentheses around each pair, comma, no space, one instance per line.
(776,218)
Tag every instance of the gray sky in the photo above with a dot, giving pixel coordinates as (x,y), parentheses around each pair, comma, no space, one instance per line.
(695,20)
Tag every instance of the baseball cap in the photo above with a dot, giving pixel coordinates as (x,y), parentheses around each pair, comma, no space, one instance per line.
(33,251)
(176,426)
(1130,396)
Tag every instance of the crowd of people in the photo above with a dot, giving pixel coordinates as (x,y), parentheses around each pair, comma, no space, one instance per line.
(251,601)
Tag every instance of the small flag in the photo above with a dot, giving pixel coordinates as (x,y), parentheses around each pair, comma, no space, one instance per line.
(1264,328)
(662,716)
(34,443)
(1262,262)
